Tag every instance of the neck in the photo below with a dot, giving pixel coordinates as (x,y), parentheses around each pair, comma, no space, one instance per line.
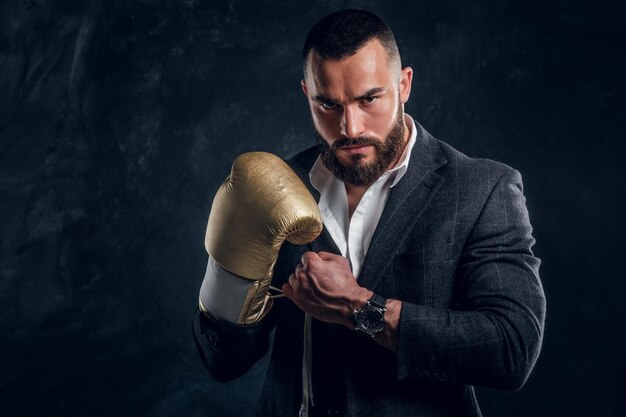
(354,194)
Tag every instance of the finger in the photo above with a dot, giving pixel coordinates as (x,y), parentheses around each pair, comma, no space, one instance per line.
(308,257)
(300,281)
(287,290)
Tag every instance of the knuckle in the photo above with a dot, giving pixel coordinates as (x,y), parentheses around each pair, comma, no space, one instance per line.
(311,267)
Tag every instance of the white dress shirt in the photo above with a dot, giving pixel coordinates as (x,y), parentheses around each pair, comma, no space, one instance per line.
(222,293)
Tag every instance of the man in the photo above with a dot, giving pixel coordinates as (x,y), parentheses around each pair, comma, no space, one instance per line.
(423,282)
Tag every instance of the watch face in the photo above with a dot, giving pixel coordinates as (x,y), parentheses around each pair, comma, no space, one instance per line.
(370,319)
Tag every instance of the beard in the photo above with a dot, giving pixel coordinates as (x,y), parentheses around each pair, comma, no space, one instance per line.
(359,172)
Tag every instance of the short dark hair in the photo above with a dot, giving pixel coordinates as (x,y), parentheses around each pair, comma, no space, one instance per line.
(341,34)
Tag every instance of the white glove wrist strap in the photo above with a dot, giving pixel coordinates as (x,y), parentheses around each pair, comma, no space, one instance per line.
(223,294)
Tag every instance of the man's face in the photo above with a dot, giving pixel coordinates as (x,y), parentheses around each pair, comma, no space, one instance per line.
(357,110)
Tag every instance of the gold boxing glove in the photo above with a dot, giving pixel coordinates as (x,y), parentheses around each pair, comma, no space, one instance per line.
(261,203)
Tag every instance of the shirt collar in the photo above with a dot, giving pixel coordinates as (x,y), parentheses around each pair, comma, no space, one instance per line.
(320,175)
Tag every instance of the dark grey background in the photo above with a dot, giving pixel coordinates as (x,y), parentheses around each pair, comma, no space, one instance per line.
(119,119)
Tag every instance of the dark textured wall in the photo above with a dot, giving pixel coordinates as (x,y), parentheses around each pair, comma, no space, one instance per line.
(119,119)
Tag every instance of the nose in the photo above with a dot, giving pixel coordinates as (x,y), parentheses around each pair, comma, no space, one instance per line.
(352,124)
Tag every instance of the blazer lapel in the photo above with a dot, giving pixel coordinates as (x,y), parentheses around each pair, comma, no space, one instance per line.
(407,201)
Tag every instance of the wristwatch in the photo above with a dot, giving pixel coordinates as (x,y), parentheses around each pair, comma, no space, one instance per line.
(370,319)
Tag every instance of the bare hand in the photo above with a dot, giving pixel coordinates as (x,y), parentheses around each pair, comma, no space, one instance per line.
(323,286)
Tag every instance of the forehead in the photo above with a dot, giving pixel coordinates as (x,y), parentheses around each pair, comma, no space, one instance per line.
(351,76)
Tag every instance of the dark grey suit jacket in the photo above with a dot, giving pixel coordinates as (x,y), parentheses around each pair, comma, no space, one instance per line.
(454,245)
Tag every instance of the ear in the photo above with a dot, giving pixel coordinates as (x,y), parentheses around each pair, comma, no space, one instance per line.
(406,79)
(304,89)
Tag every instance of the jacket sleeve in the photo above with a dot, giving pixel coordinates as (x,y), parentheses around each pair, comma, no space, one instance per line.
(493,335)
(229,350)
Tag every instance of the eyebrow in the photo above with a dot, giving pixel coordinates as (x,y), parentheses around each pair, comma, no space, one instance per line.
(368,93)
(371,92)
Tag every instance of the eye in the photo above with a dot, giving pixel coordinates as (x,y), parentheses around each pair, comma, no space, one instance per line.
(369,99)
(328,105)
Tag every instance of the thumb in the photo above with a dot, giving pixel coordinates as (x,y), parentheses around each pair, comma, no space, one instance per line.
(308,256)
(327,256)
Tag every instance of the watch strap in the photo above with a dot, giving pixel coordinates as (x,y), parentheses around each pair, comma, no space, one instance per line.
(378,301)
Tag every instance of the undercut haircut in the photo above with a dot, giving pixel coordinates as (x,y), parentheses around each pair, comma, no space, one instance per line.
(341,34)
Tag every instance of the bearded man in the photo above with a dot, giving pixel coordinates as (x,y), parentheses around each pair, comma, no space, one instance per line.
(422,283)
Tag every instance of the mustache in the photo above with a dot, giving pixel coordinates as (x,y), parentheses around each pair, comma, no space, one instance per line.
(360,140)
